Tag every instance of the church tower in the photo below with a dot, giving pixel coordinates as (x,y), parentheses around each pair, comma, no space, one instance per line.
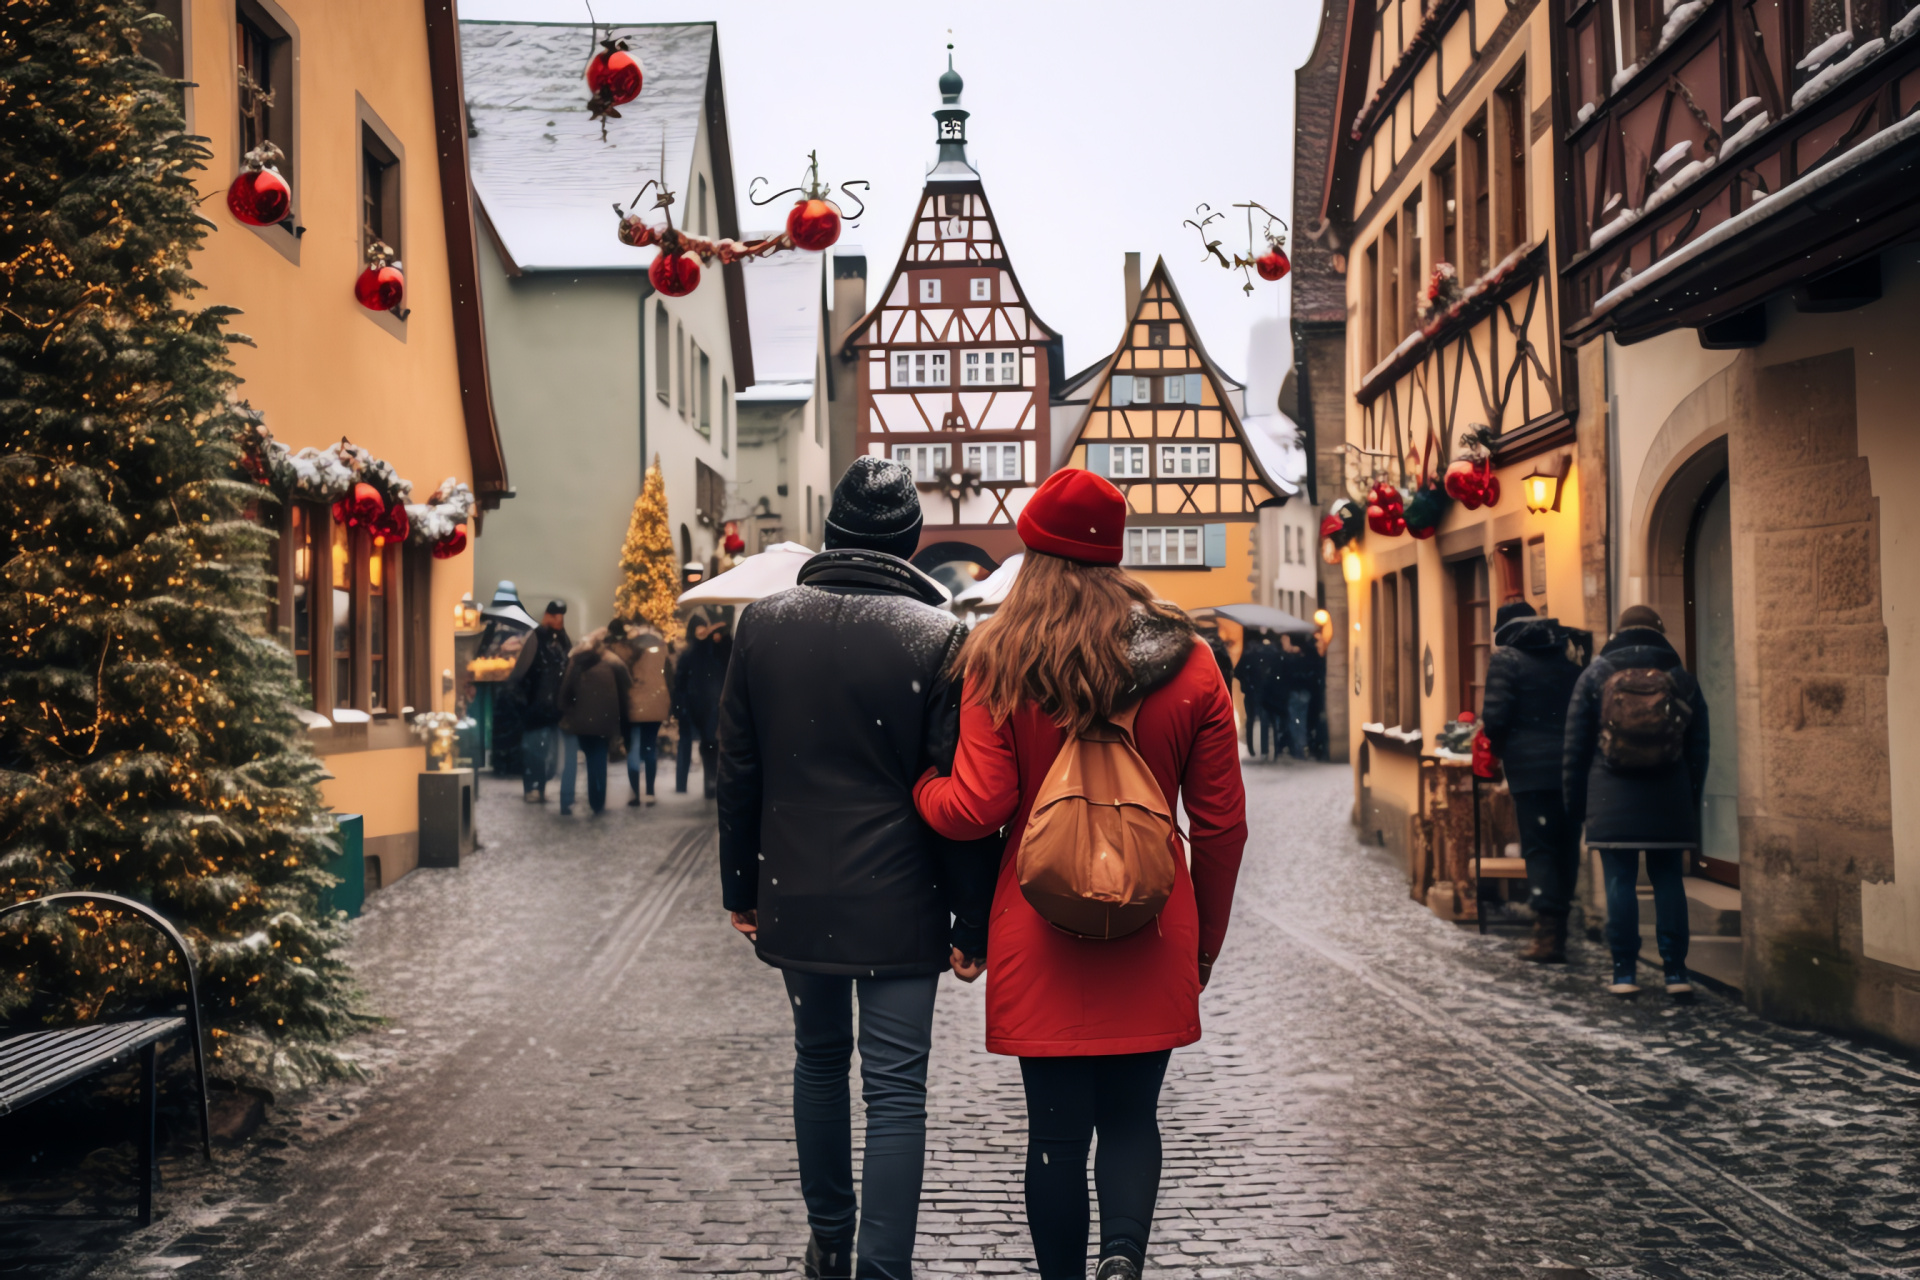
(952,366)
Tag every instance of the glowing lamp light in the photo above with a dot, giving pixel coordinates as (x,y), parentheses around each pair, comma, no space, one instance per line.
(466,614)
(1321,618)
(1542,486)
(1350,566)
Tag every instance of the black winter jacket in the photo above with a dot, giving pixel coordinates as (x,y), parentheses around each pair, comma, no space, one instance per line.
(699,675)
(1530,681)
(537,675)
(1258,672)
(837,700)
(1657,809)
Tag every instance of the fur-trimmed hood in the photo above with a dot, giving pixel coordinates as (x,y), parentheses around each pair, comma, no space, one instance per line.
(1157,648)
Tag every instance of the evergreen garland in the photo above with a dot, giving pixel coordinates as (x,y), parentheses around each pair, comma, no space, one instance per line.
(148,741)
(649,578)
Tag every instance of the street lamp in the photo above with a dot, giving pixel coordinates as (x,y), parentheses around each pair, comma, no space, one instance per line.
(1350,567)
(1542,486)
(466,614)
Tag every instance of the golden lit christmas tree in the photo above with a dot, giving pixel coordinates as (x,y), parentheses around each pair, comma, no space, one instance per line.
(649,578)
(148,744)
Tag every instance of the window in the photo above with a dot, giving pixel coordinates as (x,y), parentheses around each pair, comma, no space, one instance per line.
(809,510)
(1396,648)
(680,367)
(1158,333)
(265,88)
(1634,30)
(342,614)
(709,501)
(297,596)
(996,368)
(1510,124)
(706,393)
(380,619)
(1180,545)
(1126,388)
(1387,305)
(1369,278)
(980,289)
(994,461)
(701,227)
(927,461)
(954,205)
(726,418)
(1476,240)
(1186,459)
(1473,639)
(167,51)
(919,368)
(1411,280)
(662,353)
(929,291)
(1180,388)
(1443,222)
(1128,462)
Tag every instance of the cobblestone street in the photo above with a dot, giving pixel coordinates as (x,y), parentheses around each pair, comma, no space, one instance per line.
(586,1071)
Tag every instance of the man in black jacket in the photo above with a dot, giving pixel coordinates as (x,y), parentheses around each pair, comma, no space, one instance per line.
(1630,810)
(1530,680)
(699,675)
(535,684)
(1258,672)
(837,700)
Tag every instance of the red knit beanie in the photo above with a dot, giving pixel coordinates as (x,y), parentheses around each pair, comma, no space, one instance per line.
(1078,516)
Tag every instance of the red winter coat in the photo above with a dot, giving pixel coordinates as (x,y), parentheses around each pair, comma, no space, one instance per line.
(1049,993)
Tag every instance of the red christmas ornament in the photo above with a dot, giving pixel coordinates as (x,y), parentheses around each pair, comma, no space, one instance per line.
(361,507)
(380,287)
(614,75)
(1331,525)
(1386,513)
(675,274)
(1463,483)
(1490,487)
(260,197)
(392,524)
(1272,264)
(813,224)
(635,232)
(451,545)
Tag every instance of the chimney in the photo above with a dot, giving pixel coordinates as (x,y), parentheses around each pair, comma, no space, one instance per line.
(846,303)
(1133,286)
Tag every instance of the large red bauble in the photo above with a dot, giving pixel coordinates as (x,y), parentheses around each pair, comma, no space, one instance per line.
(392,524)
(1330,525)
(617,73)
(380,288)
(1490,490)
(451,545)
(260,198)
(813,224)
(675,274)
(1272,264)
(361,507)
(1463,483)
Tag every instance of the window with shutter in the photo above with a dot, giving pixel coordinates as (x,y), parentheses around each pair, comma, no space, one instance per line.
(1120,389)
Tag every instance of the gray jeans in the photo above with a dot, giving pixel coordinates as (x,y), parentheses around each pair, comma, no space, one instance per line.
(896,1031)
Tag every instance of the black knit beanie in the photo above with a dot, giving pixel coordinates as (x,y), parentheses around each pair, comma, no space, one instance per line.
(1512,610)
(875,508)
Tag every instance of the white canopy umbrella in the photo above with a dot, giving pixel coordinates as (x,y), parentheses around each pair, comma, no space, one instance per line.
(755,578)
(991,591)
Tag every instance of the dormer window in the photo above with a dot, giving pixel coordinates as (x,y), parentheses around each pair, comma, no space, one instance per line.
(929,291)
(1157,334)
(980,289)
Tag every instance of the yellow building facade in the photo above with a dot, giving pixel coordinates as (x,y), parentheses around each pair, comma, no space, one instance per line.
(362,98)
(1441,176)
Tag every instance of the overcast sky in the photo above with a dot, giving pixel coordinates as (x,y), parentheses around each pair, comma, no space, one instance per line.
(1096,128)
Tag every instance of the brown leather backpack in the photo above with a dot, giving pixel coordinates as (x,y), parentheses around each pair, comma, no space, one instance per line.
(1097,858)
(1644,716)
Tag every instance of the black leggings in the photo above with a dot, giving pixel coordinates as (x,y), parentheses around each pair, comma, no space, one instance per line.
(1067,1100)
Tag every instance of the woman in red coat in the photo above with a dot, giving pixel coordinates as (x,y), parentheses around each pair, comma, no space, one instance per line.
(1093,1022)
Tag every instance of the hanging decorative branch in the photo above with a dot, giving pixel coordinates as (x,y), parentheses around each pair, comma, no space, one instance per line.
(1271,265)
(614,75)
(813,223)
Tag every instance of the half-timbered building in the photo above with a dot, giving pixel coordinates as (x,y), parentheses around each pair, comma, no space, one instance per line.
(952,367)
(1439,186)
(1740,259)
(1164,425)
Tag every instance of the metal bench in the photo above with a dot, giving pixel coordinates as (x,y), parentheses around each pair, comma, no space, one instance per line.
(35,1064)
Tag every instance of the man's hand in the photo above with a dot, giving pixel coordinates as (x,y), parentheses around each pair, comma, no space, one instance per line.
(1206,969)
(747,922)
(966,967)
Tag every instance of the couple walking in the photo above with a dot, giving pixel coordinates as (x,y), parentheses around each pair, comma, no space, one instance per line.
(872,754)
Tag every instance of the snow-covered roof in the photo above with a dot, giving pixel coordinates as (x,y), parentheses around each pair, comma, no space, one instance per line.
(787,390)
(784,297)
(547,181)
(1275,440)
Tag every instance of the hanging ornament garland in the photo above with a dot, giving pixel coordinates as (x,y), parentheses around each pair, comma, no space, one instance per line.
(381,287)
(364,492)
(814,223)
(1269,265)
(614,78)
(1386,513)
(1338,527)
(1424,509)
(1470,480)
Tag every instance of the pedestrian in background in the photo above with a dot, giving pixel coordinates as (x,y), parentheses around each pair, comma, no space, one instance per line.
(593,714)
(649,700)
(1093,1022)
(1634,764)
(699,674)
(1530,680)
(534,684)
(1258,672)
(1222,656)
(836,699)
(1297,671)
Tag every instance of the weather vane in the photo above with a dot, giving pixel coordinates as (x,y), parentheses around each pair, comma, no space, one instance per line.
(1271,265)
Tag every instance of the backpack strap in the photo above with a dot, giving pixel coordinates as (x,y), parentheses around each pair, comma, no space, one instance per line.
(1122,719)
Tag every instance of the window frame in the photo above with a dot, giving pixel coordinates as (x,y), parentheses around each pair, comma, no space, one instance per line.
(280,37)
(936,455)
(1008,362)
(663,355)
(936,361)
(380,145)
(1199,449)
(1141,456)
(929,290)
(1144,537)
(980,289)
(1002,450)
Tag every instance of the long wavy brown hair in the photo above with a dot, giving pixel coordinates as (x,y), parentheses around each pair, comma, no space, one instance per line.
(1060,641)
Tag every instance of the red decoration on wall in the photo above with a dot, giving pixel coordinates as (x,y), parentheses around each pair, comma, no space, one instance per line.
(1386,513)
(675,274)
(814,224)
(381,287)
(1469,478)
(260,197)
(391,524)
(451,545)
(360,508)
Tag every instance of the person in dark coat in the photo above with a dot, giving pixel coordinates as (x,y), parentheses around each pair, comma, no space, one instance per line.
(1222,656)
(1258,672)
(1530,680)
(1298,670)
(1629,812)
(593,713)
(838,698)
(534,684)
(699,674)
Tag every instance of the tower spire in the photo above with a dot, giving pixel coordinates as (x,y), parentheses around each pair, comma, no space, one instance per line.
(951,164)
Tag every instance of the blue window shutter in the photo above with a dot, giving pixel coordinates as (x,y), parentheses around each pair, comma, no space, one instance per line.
(1193,388)
(1216,546)
(1100,459)
(1120,389)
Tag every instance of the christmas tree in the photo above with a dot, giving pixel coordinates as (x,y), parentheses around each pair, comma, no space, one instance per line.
(148,743)
(649,582)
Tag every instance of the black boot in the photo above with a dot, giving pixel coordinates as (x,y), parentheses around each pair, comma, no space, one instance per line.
(826,1261)
(1549,944)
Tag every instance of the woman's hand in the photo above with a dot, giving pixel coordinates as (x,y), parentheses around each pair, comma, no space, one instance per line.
(747,922)
(965,967)
(1206,969)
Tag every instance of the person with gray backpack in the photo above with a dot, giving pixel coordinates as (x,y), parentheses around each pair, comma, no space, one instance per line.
(1633,767)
